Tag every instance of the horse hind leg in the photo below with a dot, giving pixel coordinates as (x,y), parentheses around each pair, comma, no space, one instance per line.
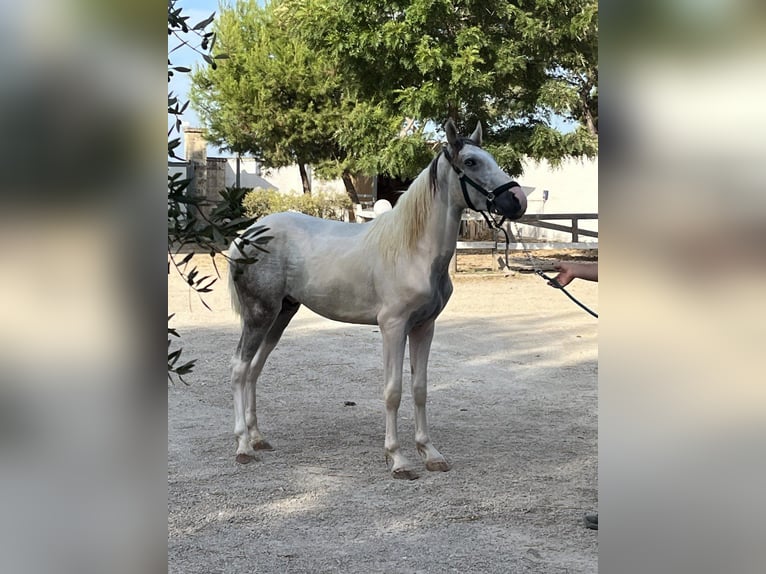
(289,309)
(255,326)
(239,368)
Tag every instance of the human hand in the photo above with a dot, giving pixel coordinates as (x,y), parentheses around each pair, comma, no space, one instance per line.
(570,270)
(565,276)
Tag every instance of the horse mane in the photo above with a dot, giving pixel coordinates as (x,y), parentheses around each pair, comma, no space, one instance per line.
(397,231)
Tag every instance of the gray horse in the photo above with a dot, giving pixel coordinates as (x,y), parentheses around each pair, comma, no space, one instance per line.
(391,272)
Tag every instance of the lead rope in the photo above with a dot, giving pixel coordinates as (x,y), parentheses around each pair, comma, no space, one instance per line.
(536,268)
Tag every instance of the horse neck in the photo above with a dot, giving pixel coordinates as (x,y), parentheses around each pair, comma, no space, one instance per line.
(442,228)
(424,224)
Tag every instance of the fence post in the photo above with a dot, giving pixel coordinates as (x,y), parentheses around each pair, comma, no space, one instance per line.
(575,229)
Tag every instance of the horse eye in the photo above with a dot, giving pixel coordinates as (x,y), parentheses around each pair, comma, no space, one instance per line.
(469,162)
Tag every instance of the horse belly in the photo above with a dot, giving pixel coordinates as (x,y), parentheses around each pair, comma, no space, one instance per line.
(341,291)
(339,305)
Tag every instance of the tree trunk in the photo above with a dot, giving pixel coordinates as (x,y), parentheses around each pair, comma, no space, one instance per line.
(587,115)
(353,196)
(589,122)
(304,178)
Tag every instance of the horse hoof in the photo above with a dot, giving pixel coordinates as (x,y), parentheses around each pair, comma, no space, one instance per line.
(243,458)
(438,465)
(262,445)
(405,474)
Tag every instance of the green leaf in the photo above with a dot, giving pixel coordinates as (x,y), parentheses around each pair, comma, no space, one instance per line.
(186,259)
(204,23)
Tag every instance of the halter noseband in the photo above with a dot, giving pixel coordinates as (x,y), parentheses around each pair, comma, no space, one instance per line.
(490,195)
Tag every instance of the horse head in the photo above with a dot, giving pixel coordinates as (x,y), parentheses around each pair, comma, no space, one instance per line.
(485,187)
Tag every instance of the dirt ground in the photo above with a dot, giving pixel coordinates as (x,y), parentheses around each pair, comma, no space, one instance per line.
(512,404)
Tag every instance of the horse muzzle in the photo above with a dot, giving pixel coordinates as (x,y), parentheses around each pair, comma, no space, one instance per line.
(507,200)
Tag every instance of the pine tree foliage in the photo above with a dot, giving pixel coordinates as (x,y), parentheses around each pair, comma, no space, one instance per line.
(352,86)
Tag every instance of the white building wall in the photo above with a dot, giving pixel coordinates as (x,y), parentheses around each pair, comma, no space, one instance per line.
(288,180)
(250,175)
(572,188)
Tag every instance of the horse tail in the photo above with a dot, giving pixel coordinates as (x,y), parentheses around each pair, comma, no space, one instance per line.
(234,269)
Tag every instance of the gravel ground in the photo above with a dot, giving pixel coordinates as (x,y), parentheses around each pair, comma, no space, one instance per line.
(512,405)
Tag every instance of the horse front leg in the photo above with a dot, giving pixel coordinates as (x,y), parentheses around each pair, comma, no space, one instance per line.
(420,348)
(394,338)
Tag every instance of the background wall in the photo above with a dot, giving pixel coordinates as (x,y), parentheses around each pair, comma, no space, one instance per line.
(572,188)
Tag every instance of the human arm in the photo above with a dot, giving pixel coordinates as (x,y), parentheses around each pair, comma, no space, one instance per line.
(570,270)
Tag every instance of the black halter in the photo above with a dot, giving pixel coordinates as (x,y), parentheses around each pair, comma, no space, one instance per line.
(490,195)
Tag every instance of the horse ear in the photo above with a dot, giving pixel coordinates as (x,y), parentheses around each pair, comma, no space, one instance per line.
(451,130)
(477,134)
